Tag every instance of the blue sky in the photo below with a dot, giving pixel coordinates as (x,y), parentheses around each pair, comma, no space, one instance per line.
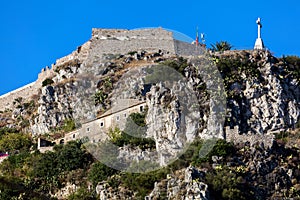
(35,33)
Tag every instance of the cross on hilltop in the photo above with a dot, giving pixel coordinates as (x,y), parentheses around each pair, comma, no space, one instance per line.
(259,43)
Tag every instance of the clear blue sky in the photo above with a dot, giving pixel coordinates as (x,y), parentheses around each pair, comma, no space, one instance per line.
(34,33)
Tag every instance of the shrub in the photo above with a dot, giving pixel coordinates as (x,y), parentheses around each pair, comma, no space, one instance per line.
(220,148)
(143,183)
(82,194)
(179,65)
(100,172)
(15,141)
(132,53)
(69,125)
(5,130)
(64,158)
(47,81)
(99,97)
(292,65)
(224,184)
(133,134)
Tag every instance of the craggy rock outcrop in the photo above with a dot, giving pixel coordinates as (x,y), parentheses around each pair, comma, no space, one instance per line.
(105,192)
(171,124)
(184,184)
(268,105)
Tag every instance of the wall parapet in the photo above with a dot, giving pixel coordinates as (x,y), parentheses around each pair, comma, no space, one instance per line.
(105,41)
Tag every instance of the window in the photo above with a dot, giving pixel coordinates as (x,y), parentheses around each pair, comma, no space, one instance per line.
(101,124)
(88,129)
(141,108)
(118,118)
(73,135)
(125,115)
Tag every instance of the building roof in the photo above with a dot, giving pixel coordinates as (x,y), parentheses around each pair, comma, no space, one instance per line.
(121,105)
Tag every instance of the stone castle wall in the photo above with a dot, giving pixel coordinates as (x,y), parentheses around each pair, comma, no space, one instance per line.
(105,41)
(26,92)
(115,41)
(187,49)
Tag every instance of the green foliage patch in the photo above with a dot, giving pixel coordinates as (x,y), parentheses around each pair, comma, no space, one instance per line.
(11,142)
(47,81)
(133,134)
(292,66)
(221,46)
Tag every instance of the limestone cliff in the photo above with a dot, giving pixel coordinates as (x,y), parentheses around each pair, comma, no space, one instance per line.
(184,102)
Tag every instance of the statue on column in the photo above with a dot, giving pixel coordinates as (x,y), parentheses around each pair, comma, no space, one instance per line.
(259,45)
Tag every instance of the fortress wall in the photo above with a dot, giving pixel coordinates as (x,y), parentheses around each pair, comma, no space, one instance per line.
(26,92)
(81,54)
(111,41)
(106,41)
(186,49)
(151,33)
(126,46)
(6,100)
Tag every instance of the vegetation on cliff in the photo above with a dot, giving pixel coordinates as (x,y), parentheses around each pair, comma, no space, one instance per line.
(241,171)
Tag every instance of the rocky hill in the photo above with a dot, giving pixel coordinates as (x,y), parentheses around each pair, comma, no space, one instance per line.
(240,107)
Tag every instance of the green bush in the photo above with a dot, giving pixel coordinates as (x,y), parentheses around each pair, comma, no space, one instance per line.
(69,125)
(15,142)
(15,161)
(232,69)
(100,97)
(82,194)
(132,53)
(179,65)
(100,172)
(133,134)
(5,131)
(292,65)
(225,184)
(47,81)
(64,159)
(143,183)
(220,148)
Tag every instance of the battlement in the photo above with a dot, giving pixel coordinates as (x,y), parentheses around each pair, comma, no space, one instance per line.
(138,34)
(106,41)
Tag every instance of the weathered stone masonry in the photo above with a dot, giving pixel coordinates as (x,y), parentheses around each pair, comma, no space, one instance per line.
(106,41)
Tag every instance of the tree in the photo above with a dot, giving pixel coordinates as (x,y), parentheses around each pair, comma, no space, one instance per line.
(100,172)
(15,141)
(70,157)
(221,46)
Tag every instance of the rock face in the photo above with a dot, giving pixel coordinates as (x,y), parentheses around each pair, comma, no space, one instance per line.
(271,105)
(185,185)
(169,123)
(105,192)
(263,104)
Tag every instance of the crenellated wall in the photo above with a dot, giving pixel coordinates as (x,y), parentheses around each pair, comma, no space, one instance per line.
(105,41)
